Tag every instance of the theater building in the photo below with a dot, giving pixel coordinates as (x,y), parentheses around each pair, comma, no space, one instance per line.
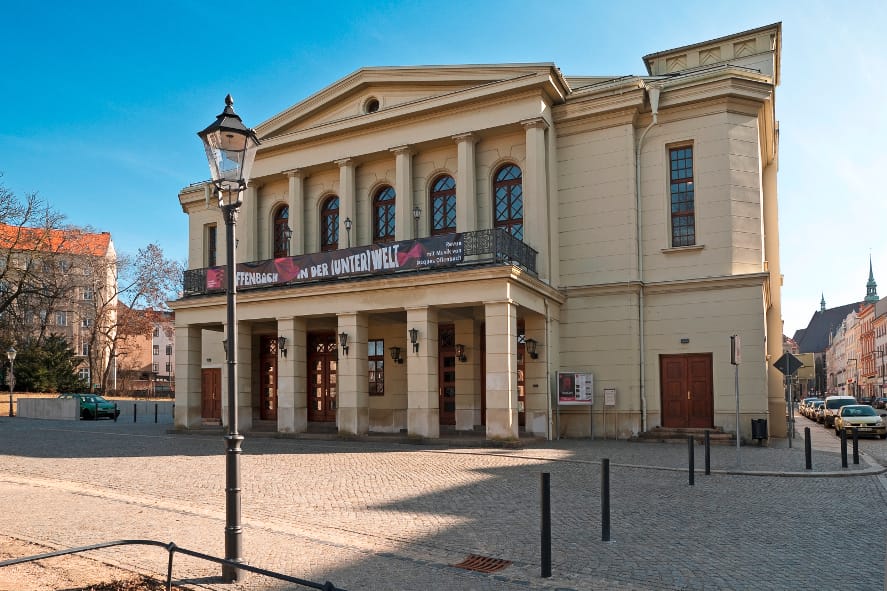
(424,250)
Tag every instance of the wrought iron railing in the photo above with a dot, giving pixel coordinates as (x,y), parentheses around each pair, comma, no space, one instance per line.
(172,549)
(482,247)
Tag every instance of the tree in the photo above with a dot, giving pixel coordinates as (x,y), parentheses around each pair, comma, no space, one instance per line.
(47,367)
(144,281)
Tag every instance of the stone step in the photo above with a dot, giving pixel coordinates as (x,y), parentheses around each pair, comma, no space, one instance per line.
(716,435)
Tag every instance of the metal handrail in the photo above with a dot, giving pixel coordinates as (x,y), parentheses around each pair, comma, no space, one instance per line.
(172,548)
(491,246)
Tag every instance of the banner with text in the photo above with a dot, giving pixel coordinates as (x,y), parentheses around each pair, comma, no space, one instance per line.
(435,251)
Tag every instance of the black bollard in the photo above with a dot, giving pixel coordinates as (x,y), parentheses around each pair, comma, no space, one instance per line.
(115,412)
(135,413)
(690,458)
(546,524)
(855,445)
(707,452)
(605,500)
(843,448)
(808,449)
(155,412)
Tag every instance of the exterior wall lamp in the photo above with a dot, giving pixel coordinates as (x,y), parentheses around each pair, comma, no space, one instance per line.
(288,238)
(460,353)
(414,339)
(417,213)
(343,342)
(281,345)
(395,355)
(348,230)
(531,348)
(230,152)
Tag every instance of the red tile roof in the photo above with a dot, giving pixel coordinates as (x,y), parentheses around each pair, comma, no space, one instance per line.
(68,241)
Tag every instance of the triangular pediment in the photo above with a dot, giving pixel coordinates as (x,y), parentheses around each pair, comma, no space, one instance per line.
(373,92)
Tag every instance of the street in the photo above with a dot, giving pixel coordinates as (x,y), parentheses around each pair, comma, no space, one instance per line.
(378,514)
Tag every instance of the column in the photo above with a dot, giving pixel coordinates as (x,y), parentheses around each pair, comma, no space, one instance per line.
(403,187)
(535,387)
(189,380)
(296,204)
(353,414)
(347,196)
(292,377)
(501,327)
(244,379)
(423,416)
(468,375)
(247,231)
(466,183)
(535,186)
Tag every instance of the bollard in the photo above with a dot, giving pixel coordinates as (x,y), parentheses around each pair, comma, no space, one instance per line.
(546,524)
(690,453)
(843,448)
(95,416)
(135,412)
(707,452)
(115,412)
(155,412)
(855,445)
(605,500)
(808,449)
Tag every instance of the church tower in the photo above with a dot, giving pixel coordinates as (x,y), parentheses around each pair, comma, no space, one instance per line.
(822,303)
(871,288)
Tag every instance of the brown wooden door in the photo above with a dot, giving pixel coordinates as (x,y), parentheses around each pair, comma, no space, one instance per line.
(322,382)
(211,393)
(687,395)
(446,374)
(268,378)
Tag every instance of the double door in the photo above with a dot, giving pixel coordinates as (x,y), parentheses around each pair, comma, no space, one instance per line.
(322,382)
(687,395)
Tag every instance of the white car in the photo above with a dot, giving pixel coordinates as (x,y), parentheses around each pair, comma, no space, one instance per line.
(832,405)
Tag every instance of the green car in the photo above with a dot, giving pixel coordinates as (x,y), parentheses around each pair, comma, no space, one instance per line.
(93,406)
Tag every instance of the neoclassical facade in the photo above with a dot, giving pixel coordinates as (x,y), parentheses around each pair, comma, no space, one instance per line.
(432,249)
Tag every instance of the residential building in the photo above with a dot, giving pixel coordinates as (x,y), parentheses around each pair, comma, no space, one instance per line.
(146,359)
(473,244)
(61,282)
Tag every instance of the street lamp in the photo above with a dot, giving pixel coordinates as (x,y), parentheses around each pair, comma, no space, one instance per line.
(230,150)
(855,376)
(10,354)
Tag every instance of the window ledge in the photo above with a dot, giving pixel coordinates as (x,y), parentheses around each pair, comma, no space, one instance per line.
(694,248)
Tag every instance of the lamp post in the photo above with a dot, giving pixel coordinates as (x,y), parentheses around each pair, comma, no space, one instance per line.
(230,150)
(855,377)
(10,354)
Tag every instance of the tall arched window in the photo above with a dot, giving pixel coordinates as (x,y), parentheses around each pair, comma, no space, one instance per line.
(443,205)
(508,208)
(281,234)
(329,224)
(383,215)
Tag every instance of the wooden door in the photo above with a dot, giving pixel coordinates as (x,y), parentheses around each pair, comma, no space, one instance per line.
(687,394)
(322,382)
(268,378)
(521,382)
(211,393)
(446,374)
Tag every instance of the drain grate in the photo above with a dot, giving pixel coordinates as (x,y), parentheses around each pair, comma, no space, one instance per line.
(483,564)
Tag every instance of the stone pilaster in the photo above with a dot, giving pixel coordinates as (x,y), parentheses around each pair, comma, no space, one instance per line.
(296,203)
(501,345)
(468,375)
(423,415)
(535,193)
(466,183)
(403,187)
(188,376)
(292,379)
(353,414)
(347,197)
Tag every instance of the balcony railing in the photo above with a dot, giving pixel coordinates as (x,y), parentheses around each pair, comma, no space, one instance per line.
(482,247)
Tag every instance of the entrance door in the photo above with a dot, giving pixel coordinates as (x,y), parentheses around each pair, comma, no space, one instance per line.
(322,385)
(268,378)
(687,395)
(211,393)
(446,374)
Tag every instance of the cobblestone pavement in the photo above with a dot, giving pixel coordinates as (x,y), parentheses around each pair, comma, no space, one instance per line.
(382,514)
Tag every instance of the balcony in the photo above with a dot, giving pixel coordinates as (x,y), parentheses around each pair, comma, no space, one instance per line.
(467,249)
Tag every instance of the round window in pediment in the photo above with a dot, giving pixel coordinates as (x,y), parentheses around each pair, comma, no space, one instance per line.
(371,105)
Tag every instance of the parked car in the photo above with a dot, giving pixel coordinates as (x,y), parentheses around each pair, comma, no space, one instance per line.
(807,408)
(880,402)
(818,411)
(863,418)
(832,404)
(93,406)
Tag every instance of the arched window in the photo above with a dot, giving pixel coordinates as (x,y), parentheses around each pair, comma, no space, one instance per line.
(282,232)
(508,208)
(329,224)
(383,215)
(443,205)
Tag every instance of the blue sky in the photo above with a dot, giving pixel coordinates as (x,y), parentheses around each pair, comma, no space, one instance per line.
(102,100)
